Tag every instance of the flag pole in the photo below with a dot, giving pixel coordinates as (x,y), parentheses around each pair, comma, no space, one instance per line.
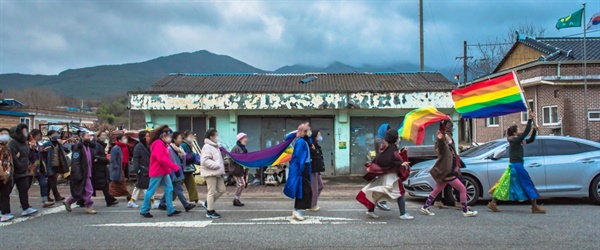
(524,95)
(585,89)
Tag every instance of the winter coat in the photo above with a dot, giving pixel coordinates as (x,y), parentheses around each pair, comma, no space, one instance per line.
(100,173)
(80,174)
(160,161)
(6,164)
(235,168)
(189,168)
(116,164)
(141,165)
(18,144)
(211,160)
(444,165)
(176,175)
(318,163)
(293,184)
(49,156)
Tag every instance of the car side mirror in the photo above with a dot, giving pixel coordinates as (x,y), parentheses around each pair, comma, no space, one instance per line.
(498,154)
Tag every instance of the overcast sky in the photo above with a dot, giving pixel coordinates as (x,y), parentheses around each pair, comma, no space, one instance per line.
(47,37)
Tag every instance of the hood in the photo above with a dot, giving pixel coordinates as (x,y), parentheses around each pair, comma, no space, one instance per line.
(382,130)
(212,143)
(17,134)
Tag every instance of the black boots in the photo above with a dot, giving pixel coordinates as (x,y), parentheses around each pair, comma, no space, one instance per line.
(238,203)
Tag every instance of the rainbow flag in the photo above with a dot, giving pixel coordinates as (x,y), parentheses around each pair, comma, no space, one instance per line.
(413,126)
(495,97)
(278,154)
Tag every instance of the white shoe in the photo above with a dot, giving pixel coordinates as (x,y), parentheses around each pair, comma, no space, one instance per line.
(6,217)
(297,215)
(314,209)
(29,211)
(470,213)
(132,204)
(373,215)
(155,204)
(406,217)
(426,211)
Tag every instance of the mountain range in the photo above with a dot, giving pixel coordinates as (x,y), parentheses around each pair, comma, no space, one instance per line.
(108,80)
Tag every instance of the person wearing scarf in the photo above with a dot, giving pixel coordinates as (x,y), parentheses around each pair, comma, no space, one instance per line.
(81,174)
(237,170)
(189,170)
(119,161)
(298,184)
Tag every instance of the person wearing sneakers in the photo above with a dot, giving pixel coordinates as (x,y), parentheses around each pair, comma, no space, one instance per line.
(160,169)
(212,169)
(19,149)
(190,169)
(298,181)
(180,158)
(445,170)
(504,190)
(81,173)
(119,163)
(318,166)
(237,170)
(381,144)
(39,171)
(6,172)
(141,163)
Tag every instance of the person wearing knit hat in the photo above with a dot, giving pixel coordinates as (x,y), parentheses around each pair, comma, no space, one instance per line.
(237,170)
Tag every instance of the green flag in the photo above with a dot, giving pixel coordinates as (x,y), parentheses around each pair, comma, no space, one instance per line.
(570,21)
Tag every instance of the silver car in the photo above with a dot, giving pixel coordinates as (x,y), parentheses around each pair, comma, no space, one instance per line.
(559,167)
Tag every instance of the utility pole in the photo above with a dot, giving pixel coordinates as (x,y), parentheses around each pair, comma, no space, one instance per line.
(421,35)
(465,59)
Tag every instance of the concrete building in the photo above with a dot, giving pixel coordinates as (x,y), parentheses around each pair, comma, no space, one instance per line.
(347,108)
(551,73)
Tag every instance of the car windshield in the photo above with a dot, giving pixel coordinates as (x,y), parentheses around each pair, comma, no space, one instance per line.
(483,149)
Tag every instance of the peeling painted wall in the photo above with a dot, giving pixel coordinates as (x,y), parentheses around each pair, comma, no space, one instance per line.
(236,101)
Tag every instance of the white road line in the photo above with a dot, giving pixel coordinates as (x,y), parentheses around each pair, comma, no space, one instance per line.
(187,224)
(38,214)
(254,210)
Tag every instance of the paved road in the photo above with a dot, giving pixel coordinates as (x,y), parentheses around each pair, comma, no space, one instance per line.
(264,224)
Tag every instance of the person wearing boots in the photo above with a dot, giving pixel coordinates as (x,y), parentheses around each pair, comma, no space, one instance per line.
(237,170)
(81,174)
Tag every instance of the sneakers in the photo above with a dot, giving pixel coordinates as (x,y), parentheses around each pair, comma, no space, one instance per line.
(190,207)
(237,203)
(383,206)
(440,205)
(131,204)
(6,217)
(426,211)
(538,210)
(314,209)
(174,213)
(155,204)
(28,211)
(47,204)
(297,215)
(493,207)
(146,215)
(372,215)
(67,206)
(406,217)
(470,213)
(90,210)
(212,214)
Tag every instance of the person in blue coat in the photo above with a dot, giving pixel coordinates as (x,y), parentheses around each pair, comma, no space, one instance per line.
(298,182)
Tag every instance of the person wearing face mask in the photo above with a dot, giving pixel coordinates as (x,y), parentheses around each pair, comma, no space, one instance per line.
(212,170)
(318,166)
(445,171)
(190,183)
(119,163)
(81,174)
(381,145)
(19,148)
(237,170)
(161,167)
(141,165)
(55,158)
(298,182)
(6,176)
(179,157)
(100,175)
(39,171)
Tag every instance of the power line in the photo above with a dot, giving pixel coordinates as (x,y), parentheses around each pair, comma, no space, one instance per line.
(489,44)
(582,33)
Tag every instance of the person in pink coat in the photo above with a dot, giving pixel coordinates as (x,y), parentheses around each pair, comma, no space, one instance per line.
(161,167)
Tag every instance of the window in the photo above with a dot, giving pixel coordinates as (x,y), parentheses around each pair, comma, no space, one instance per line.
(26,121)
(524,115)
(483,149)
(594,115)
(492,121)
(587,148)
(533,149)
(550,115)
(561,147)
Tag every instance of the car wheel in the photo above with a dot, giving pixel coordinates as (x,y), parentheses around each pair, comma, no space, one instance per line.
(595,190)
(473,191)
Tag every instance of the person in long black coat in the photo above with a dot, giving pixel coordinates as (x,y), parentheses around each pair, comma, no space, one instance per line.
(141,165)
(100,173)
(81,174)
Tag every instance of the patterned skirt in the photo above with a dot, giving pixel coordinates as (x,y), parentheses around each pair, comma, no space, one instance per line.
(514,185)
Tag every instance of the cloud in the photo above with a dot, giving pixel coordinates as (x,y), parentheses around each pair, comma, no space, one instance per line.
(47,37)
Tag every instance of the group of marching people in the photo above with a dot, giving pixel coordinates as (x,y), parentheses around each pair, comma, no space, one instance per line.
(391,167)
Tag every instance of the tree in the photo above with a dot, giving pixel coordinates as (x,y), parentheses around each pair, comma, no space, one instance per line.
(487,55)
